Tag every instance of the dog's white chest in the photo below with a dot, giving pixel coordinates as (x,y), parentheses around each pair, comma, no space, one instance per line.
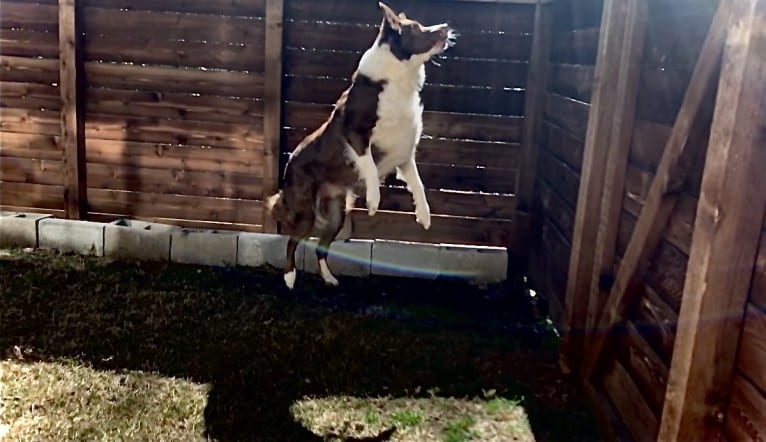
(399,125)
(399,111)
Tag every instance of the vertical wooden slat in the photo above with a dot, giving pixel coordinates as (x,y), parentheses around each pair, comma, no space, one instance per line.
(660,201)
(618,151)
(534,103)
(725,242)
(72,115)
(272,103)
(600,119)
(610,422)
(533,106)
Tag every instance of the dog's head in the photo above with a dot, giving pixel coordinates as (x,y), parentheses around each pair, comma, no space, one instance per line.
(408,39)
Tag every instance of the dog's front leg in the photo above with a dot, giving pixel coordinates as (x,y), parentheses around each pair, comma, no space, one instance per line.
(368,173)
(408,172)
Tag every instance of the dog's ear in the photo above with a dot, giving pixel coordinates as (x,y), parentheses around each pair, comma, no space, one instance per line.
(391,18)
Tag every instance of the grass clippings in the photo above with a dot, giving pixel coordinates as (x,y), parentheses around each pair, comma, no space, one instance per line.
(99,350)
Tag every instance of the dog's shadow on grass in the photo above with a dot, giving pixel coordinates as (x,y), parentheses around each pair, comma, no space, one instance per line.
(259,348)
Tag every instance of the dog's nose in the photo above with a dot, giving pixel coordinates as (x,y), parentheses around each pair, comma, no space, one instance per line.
(444,31)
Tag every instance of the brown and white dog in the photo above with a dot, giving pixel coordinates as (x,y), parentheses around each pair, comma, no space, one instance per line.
(373,131)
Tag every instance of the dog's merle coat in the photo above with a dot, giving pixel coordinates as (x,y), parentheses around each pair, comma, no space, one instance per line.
(373,131)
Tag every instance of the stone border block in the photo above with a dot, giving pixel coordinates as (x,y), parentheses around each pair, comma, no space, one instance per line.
(483,265)
(204,247)
(138,240)
(347,258)
(259,249)
(85,237)
(19,229)
(408,260)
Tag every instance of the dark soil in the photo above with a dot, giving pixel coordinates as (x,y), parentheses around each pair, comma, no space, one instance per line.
(261,347)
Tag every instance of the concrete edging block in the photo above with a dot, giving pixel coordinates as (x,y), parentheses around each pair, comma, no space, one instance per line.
(133,239)
(259,249)
(19,229)
(138,240)
(483,265)
(347,258)
(85,237)
(402,259)
(204,247)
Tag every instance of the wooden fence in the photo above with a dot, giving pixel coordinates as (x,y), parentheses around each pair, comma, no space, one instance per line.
(635,146)
(183,111)
(650,224)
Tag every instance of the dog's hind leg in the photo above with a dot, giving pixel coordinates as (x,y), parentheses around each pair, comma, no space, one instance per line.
(334,213)
(300,231)
(408,172)
(290,271)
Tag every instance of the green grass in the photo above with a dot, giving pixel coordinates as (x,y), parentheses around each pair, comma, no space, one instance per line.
(99,350)
(499,404)
(460,430)
(407,418)
(371,416)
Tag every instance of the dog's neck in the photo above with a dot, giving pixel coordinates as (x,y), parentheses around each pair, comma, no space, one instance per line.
(380,64)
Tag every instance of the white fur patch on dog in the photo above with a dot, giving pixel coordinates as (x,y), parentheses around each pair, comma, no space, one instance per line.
(399,125)
(290,279)
(324,270)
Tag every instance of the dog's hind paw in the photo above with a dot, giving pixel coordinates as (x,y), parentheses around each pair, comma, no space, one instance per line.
(328,277)
(331,280)
(290,279)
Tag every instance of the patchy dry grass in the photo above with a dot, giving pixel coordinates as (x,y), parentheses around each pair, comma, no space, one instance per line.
(58,401)
(422,419)
(98,350)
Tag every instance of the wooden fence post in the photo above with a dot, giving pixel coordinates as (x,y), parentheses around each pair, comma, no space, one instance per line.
(618,147)
(725,241)
(272,104)
(670,175)
(72,110)
(534,103)
(600,120)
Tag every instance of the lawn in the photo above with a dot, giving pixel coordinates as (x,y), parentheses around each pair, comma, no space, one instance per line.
(100,350)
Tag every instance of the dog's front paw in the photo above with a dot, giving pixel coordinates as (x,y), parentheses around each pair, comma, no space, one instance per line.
(373,200)
(290,279)
(423,216)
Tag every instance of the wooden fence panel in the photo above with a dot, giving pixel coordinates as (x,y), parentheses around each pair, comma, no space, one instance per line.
(560,147)
(174,110)
(674,39)
(177,95)
(31,168)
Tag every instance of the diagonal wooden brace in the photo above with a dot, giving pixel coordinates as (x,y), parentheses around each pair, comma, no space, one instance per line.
(660,202)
